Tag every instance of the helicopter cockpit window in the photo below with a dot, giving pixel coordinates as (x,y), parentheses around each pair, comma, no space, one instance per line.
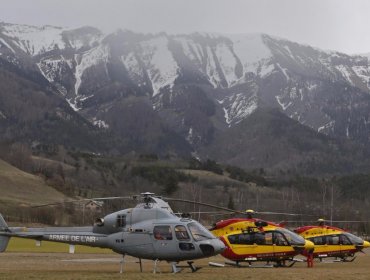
(162,233)
(259,238)
(199,233)
(333,240)
(121,221)
(181,233)
(291,237)
(318,240)
(353,238)
(343,240)
(243,238)
(250,238)
(279,239)
(268,238)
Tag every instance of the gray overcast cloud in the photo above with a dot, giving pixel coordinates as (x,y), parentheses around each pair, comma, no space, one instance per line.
(342,25)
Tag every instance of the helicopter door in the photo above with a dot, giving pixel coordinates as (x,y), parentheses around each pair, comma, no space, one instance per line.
(164,242)
(184,241)
(334,244)
(120,224)
(321,245)
(346,245)
(247,244)
(136,241)
(281,246)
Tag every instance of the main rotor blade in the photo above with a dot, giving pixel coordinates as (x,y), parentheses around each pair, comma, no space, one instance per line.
(82,200)
(203,212)
(282,213)
(204,204)
(232,210)
(326,221)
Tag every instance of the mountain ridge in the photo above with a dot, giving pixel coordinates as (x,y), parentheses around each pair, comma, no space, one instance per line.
(195,85)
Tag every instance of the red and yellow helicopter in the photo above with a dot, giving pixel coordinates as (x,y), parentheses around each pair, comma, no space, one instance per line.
(332,242)
(250,240)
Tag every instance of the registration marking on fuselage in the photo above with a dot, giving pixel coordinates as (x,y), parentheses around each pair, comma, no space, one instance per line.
(73,238)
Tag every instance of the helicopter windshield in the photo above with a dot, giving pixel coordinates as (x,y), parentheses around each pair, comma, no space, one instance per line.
(293,238)
(353,238)
(199,233)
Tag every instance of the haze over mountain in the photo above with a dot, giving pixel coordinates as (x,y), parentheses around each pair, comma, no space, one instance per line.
(183,94)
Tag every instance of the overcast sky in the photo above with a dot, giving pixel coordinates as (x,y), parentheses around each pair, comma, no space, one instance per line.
(342,25)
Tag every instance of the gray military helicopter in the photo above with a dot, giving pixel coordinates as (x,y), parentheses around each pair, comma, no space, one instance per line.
(150,230)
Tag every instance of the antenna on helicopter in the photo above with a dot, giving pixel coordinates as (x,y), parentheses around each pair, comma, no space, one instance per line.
(147,198)
(321,222)
(250,213)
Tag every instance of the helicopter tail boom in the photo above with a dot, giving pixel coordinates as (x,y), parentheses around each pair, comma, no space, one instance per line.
(3,238)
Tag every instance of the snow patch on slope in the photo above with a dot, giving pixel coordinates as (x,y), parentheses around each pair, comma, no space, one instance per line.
(51,68)
(35,40)
(3,42)
(283,105)
(211,68)
(135,71)
(326,127)
(239,107)
(88,40)
(100,123)
(161,67)
(345,73)
(266,70)
(2,116)
(191,49)
(289,52)
(73,104)
(284,70)
(227,63)
(363,73)
(251,50)
(92,57)
(311,86)
(190,137)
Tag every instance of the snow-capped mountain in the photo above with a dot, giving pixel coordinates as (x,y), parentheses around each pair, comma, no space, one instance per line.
(198,83)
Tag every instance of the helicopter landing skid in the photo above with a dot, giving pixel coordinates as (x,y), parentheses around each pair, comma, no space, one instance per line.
(122,263)
(176,268)
(267,265)
(250,265)
(341,260)
(290,264)
(349,260)
(156,268)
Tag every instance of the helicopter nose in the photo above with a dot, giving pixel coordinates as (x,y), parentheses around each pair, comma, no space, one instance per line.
(309,245)
(219,246)
(366,244)
(215,247)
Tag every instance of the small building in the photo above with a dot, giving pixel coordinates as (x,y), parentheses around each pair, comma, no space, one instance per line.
(94,206)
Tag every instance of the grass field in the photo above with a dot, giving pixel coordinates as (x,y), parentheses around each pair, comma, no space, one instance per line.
(18,187)
(106,266)
(27,245)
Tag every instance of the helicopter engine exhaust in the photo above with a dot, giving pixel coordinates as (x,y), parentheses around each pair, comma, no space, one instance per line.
(99,222)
